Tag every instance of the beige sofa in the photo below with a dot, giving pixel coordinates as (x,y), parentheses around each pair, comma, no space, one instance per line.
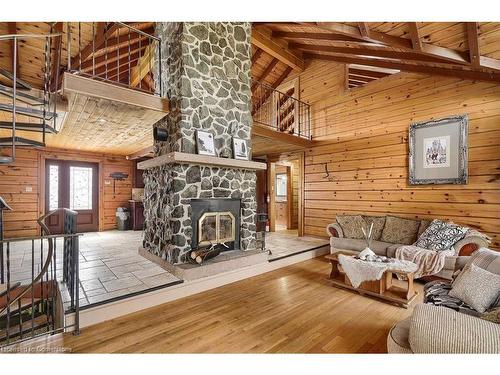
(465,246)
(436,329)
(446,324)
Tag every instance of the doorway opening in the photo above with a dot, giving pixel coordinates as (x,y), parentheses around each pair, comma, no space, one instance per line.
(74,185)
(285,194)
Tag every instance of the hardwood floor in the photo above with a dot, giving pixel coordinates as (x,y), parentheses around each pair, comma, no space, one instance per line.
(290,310)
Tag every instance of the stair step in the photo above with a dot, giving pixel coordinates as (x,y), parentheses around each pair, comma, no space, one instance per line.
(31,112)
(19,82)
(25,304)
(3,288)
(21,96)
(28,127)
(15,331)
(7,142)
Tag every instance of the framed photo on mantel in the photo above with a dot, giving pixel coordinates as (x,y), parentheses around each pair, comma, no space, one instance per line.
(438,151)
(205,143)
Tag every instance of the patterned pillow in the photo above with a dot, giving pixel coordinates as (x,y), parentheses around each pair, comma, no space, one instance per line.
(399,230)
(378,225)
(477,287)
(440,236)
(351,225)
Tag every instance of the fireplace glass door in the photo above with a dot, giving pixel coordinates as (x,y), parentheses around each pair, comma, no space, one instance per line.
(216,227)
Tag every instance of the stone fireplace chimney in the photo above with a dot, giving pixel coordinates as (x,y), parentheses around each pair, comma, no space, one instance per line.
(206,75)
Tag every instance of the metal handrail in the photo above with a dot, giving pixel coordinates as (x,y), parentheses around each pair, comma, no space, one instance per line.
(280,111)
(12,36)
(122,59)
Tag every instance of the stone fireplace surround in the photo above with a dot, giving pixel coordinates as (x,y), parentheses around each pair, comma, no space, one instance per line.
(206,70)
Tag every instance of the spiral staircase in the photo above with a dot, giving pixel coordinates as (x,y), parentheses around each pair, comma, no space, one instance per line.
(22,107)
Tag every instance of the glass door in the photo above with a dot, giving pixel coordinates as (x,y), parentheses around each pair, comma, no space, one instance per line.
(72,185)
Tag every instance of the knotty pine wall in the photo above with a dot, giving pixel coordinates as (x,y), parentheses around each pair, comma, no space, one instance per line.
(26,173)
(364,147)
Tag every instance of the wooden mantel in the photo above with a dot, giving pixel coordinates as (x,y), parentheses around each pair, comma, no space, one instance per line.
(185,158)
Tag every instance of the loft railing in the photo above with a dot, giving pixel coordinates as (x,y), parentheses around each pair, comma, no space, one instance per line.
(31,301)
(280,110)
(115,52)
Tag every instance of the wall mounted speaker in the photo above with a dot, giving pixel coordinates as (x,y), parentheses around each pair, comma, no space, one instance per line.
(160,134)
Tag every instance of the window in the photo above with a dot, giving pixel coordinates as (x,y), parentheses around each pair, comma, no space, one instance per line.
(53,187)
(281,185)
(80,188)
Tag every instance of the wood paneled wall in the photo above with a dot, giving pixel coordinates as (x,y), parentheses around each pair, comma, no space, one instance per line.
(17,179)
(361,164)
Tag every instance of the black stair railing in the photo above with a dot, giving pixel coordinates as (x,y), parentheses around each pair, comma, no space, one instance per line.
(35,307)
(280,111)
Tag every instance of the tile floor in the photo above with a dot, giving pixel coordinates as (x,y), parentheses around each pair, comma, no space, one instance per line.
(286,242)
(110,266)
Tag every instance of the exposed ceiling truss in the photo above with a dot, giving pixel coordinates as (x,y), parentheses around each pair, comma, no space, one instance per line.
(361,43)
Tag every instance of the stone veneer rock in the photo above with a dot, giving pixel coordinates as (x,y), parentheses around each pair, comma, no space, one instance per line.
(206,75)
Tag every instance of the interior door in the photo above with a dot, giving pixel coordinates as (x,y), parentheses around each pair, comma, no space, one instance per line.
(73,185)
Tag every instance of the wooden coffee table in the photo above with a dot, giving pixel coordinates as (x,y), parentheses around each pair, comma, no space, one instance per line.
(383,289)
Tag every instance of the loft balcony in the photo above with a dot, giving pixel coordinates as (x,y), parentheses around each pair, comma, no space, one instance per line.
(100,81)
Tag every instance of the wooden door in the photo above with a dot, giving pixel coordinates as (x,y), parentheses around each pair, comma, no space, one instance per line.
(73,185)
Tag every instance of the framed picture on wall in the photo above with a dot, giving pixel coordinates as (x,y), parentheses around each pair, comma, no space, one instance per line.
(205,143)
(438,151)
(240,148)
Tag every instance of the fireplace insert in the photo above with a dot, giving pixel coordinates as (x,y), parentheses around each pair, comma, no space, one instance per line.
(216,221)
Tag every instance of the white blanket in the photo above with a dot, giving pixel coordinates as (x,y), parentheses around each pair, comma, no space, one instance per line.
(429,262)
(358,270)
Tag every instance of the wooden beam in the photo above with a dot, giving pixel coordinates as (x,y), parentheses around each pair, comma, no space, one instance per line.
(270,133)
(364,51)
(446,54)
(12,30)
(415,36)
(314,36)
(265,73)
(278,50)
(74,84)
(256,55)
(143,66)
(100,37)
(364,29)
(122,54)
(141,153)
(473,39)
(395,64)
(56,58)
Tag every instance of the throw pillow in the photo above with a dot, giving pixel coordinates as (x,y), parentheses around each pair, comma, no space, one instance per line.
(486,259)
(492,315)
(399,230)
(477,287)
(351,225)
(378,225)
(441,236)
(424,224)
